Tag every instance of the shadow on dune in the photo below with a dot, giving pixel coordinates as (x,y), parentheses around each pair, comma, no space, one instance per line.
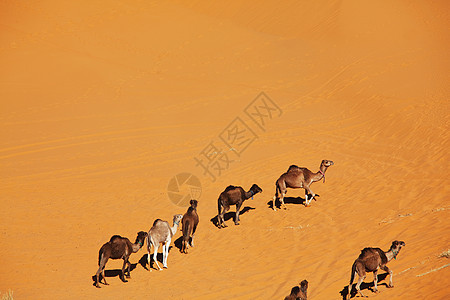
(230,215)
(364,286)
(144,259)
(113,273)
(287,200)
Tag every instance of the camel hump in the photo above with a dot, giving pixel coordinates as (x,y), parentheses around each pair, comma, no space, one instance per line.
(156,221)
(115,237)
(383,257)
(366,251)
(294,168)
(230,187)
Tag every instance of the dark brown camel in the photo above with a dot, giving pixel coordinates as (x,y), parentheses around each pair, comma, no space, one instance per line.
(118,247)
(189,225)
(298,292)
(370,260)
(297,177)
(233,195)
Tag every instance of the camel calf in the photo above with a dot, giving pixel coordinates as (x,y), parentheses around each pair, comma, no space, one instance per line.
(370,260)
(189,225)
(298,292)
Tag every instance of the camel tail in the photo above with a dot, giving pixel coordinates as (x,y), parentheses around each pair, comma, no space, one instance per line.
(276,190)
(100,254)
(219,207)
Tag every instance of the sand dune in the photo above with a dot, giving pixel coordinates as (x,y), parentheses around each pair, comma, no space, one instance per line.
(103,105)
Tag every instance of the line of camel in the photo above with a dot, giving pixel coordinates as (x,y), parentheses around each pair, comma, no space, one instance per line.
(161,233)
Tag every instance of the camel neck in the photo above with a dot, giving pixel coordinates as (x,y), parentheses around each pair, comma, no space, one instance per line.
(391,254)
(320,174)
(249,194)
(174,227)
(135,247)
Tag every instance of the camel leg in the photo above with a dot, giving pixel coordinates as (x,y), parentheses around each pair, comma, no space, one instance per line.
(308,191)
(275,197)
(148,256)
(219,219)
(123,270)
(282,200)
(101,270)
(385,268)
(238,207)
(129,268)
(360,280)
(281,187)
(375,281)
(222,214)
(155,255)
(193,233)
(349,290)
(97,275)
(273,203)
(166,255)
(104,277)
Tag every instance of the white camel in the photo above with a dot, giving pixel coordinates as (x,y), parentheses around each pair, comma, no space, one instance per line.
(161,233)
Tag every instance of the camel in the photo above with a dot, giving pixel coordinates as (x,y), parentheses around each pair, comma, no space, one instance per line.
(297,177)
(189,225)
(298,292)
(161,233)
(370,260)
(234,195)
(118,247)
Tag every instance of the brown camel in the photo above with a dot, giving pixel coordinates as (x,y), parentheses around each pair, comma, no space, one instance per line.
(118,247)
(189,225)
(298,292)
(370,260)
(161,233)
(233,195)
(297,177)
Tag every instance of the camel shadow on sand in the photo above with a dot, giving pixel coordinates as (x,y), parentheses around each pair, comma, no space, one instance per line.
(229,215)
(287,200)
(364,286)
(144,259)
(112,273)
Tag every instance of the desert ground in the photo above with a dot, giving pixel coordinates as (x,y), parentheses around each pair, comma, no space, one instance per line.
(103,103)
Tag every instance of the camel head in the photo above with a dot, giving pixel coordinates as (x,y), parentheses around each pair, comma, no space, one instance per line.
(256,189)
(193,203)
(327,163)
(396,246)
(141,237)
(177,218)
(304,286)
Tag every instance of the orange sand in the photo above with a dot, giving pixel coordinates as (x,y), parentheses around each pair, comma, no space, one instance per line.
(103,104)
